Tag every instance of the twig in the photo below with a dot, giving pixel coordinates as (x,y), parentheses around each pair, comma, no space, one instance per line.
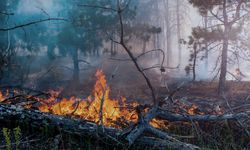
(239,122)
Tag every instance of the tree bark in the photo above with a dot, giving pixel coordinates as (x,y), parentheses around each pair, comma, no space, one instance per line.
(168,32)
(206,43)
(144,46)
(224,55)
(178,30)
(194,62)
(76,67)
(223,73)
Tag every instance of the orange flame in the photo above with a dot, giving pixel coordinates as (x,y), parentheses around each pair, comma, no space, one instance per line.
(89,109)
(192,110)
(2,97)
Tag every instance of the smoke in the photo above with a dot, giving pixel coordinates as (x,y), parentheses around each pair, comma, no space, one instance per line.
(40,64)
(35,7)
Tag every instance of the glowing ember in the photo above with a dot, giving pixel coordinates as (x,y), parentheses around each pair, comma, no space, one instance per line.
(2,97)
(192,110)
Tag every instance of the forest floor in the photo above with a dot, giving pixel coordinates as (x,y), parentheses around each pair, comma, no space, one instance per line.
(237,94)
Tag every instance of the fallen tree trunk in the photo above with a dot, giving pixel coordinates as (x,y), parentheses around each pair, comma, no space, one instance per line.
(166,115)
(14,116)
(11,115)
(169,116)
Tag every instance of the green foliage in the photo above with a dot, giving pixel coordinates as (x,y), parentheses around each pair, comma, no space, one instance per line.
(205,5)
(216,31)
(142,31)
(89,25)
(214,34)
(17,134)
(6,133)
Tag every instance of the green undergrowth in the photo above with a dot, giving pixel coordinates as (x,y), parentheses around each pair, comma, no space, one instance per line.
(215,136)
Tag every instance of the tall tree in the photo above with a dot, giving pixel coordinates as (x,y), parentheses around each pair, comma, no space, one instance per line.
(168,31)
(7,8)
(178,25)
(229,15)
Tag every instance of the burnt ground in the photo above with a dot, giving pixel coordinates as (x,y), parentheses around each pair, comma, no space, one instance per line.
(205,94)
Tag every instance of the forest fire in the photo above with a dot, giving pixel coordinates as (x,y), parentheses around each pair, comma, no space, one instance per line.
(98,107)
(179,80)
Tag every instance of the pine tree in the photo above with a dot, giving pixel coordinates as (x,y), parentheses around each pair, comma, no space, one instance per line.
(229,16)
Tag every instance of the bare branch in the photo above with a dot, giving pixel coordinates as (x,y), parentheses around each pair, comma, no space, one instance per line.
(95,6)
(6,13)
(32,23)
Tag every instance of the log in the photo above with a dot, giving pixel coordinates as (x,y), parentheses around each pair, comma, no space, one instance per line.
(14,115)
(166,115)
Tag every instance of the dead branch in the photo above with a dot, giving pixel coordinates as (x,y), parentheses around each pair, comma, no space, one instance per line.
(210,118)
(6,13)
(239,121)
(17,116)
(131,55)
(95,6)
(31,23)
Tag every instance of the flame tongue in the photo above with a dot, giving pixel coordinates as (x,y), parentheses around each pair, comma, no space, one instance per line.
(89,109)
(1,97)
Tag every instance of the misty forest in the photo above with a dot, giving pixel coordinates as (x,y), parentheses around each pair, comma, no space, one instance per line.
(125,74)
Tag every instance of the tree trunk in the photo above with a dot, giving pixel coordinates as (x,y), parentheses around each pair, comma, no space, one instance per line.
(112,47)
(206,44)
(144,46)
(178,30)
(76,67)
(223,69)
(194,62)
(168,33)
(169,52)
